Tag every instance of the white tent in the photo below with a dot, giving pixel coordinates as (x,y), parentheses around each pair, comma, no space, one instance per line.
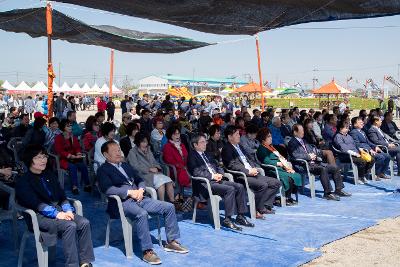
(95,88)
(76,88)
(39,87)
(22,88)
(65,88)
(104,89)
(116,90)
(6,85)
(56,88)
(85,88)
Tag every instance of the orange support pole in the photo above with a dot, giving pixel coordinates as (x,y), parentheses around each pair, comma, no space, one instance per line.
(111,71)
(259,73)
(50,71)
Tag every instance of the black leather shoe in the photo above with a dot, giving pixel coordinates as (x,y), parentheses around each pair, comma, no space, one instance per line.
(291,202)
(241,220)
(229,224)
(331,196)
(342,193)
(267,211)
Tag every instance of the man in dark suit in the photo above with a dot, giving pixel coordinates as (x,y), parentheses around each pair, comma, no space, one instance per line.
(234,195)
(361,141)
(377,137)
(119,178)
(234,158)
(300,149)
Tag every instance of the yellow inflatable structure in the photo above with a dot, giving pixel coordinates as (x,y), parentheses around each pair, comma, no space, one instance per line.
(179,92)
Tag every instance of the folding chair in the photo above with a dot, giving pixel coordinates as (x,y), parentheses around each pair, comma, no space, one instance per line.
(10,213)
(212,202)
(250,193)
(127,224)
(41,250)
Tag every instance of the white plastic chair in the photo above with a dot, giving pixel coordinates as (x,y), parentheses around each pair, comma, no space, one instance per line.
(10,213)
(41,250)
(61,173)
(127,224)
(311,177)
(250,193)
(391,162)
(212,202)
(354,168)
(281,190)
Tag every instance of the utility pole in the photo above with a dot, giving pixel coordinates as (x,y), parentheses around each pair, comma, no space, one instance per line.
(17,77)
(314,78)
(94,78)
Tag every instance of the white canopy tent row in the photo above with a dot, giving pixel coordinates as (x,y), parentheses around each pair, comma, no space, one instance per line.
(7,86)
(41,87)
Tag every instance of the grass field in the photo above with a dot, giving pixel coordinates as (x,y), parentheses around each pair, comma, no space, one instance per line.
(355,102)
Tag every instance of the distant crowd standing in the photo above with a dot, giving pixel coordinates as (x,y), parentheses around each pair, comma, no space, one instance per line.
(162,144)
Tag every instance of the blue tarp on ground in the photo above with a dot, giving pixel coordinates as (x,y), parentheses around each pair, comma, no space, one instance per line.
(277,241)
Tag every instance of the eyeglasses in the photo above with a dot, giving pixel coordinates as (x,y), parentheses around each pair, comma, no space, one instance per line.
(41,157)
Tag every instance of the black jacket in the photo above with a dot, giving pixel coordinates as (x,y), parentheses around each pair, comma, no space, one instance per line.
(231,159)
(197,167)
(126,145)
(31,194)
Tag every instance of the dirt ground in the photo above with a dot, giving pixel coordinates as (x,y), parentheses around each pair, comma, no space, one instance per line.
(378,245)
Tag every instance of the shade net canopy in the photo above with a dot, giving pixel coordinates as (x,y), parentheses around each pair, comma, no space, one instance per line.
(244,16)
(33,22)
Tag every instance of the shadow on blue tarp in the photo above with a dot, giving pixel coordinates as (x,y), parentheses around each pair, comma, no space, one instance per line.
(279,240)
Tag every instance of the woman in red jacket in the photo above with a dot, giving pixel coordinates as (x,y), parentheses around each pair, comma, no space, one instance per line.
(92,133)
(68,149)
(175,153)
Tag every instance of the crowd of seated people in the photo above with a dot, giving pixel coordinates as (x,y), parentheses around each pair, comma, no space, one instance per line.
(209,145)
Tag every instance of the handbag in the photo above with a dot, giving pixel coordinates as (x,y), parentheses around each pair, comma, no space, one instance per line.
(365,156)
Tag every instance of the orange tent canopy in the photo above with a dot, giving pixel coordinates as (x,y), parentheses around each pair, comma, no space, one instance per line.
(250,88)
(331,88)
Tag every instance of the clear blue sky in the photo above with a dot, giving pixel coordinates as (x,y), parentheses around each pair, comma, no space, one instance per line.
(288,54)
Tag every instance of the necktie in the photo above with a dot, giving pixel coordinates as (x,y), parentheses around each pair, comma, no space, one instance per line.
(303,145)
(380,131)
(209,166)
